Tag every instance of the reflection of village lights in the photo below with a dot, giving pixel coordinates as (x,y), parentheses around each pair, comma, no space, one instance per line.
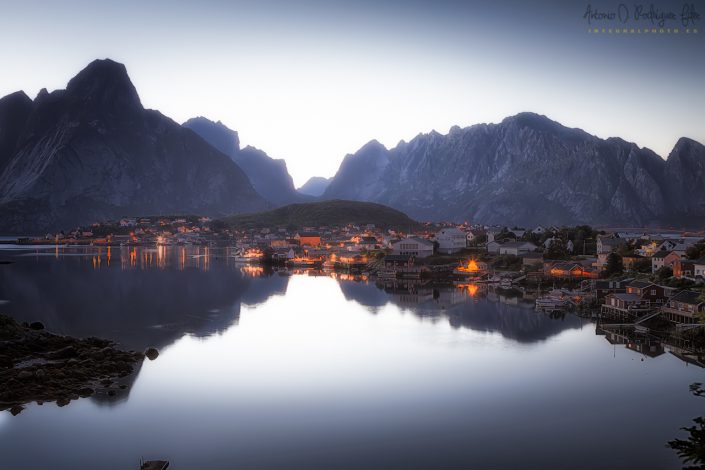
(252,271)
(472,289)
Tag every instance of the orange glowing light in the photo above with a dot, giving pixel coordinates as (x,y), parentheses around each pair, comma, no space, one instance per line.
(470,268)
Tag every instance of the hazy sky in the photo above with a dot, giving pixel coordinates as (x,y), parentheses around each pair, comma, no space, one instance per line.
(310,81)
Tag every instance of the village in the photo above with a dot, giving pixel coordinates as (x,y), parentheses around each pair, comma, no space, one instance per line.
(629,277)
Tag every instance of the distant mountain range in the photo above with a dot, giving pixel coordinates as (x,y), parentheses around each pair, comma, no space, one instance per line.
(528,170)
(315,186)
(92,152)
(269,177)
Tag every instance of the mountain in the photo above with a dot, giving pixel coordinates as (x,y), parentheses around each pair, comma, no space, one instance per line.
(91,152)
(328,213)
(269,176)
(315,186)
(527,170)
(360,174)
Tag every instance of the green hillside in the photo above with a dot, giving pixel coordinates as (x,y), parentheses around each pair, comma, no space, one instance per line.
(326,213)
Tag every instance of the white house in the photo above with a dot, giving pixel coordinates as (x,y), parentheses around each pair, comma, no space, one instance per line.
(414,246)
(699,268)
(450,240)
(608,244)
(493,246)
(516,248)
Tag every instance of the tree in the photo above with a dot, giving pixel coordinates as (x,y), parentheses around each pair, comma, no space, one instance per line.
(663,273)
(696,251)
(614,266)
(556,250)
(692,449)
(643,265)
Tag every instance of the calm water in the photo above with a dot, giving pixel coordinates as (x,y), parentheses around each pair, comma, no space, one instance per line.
(263,370)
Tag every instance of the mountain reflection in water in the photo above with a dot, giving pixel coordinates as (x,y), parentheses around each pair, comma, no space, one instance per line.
(142,297)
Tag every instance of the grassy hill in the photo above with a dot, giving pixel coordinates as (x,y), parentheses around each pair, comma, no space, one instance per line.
(328,213)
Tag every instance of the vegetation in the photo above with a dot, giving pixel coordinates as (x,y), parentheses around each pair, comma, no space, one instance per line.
(664,273)
(643,265)
(556,250)
(696,251)
(614,266)
(692,449)
(507,262)
(326,213)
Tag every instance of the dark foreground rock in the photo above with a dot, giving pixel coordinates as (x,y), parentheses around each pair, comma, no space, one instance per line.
(36,365)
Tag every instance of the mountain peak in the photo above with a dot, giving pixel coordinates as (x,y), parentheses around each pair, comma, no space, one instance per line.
(217,134)
(106,85)
(372,145)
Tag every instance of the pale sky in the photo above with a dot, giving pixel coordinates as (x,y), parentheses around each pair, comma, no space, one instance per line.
(311,81)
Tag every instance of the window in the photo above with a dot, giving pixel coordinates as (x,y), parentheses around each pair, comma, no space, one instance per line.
(653,291)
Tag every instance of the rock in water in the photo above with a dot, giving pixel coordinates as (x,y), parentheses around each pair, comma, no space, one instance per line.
(151,353)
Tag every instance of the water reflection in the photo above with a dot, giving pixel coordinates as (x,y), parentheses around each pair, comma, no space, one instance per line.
(145,297)
(333,373)
(138,297)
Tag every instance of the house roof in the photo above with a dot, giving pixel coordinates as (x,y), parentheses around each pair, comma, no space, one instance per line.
(626,297)
(640,284)
(688,297)
(661,254)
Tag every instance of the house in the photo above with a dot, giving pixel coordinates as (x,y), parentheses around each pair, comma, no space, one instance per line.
(128,222)
(473,235)
(699,268)
(624,304)
(663,258)
(283,254)
(516,248)
(569,270)
(685,307)
(493,246)
(368,243)
(450,240)
(414,246)
(518,233)
(308,238)
(653,293)
(607,245)
(602,287)
(683,268)
(532,259)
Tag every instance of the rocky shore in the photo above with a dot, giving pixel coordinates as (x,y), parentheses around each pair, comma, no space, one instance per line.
(36,365)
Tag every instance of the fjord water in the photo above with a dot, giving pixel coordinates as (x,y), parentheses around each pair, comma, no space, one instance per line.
(265,370)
